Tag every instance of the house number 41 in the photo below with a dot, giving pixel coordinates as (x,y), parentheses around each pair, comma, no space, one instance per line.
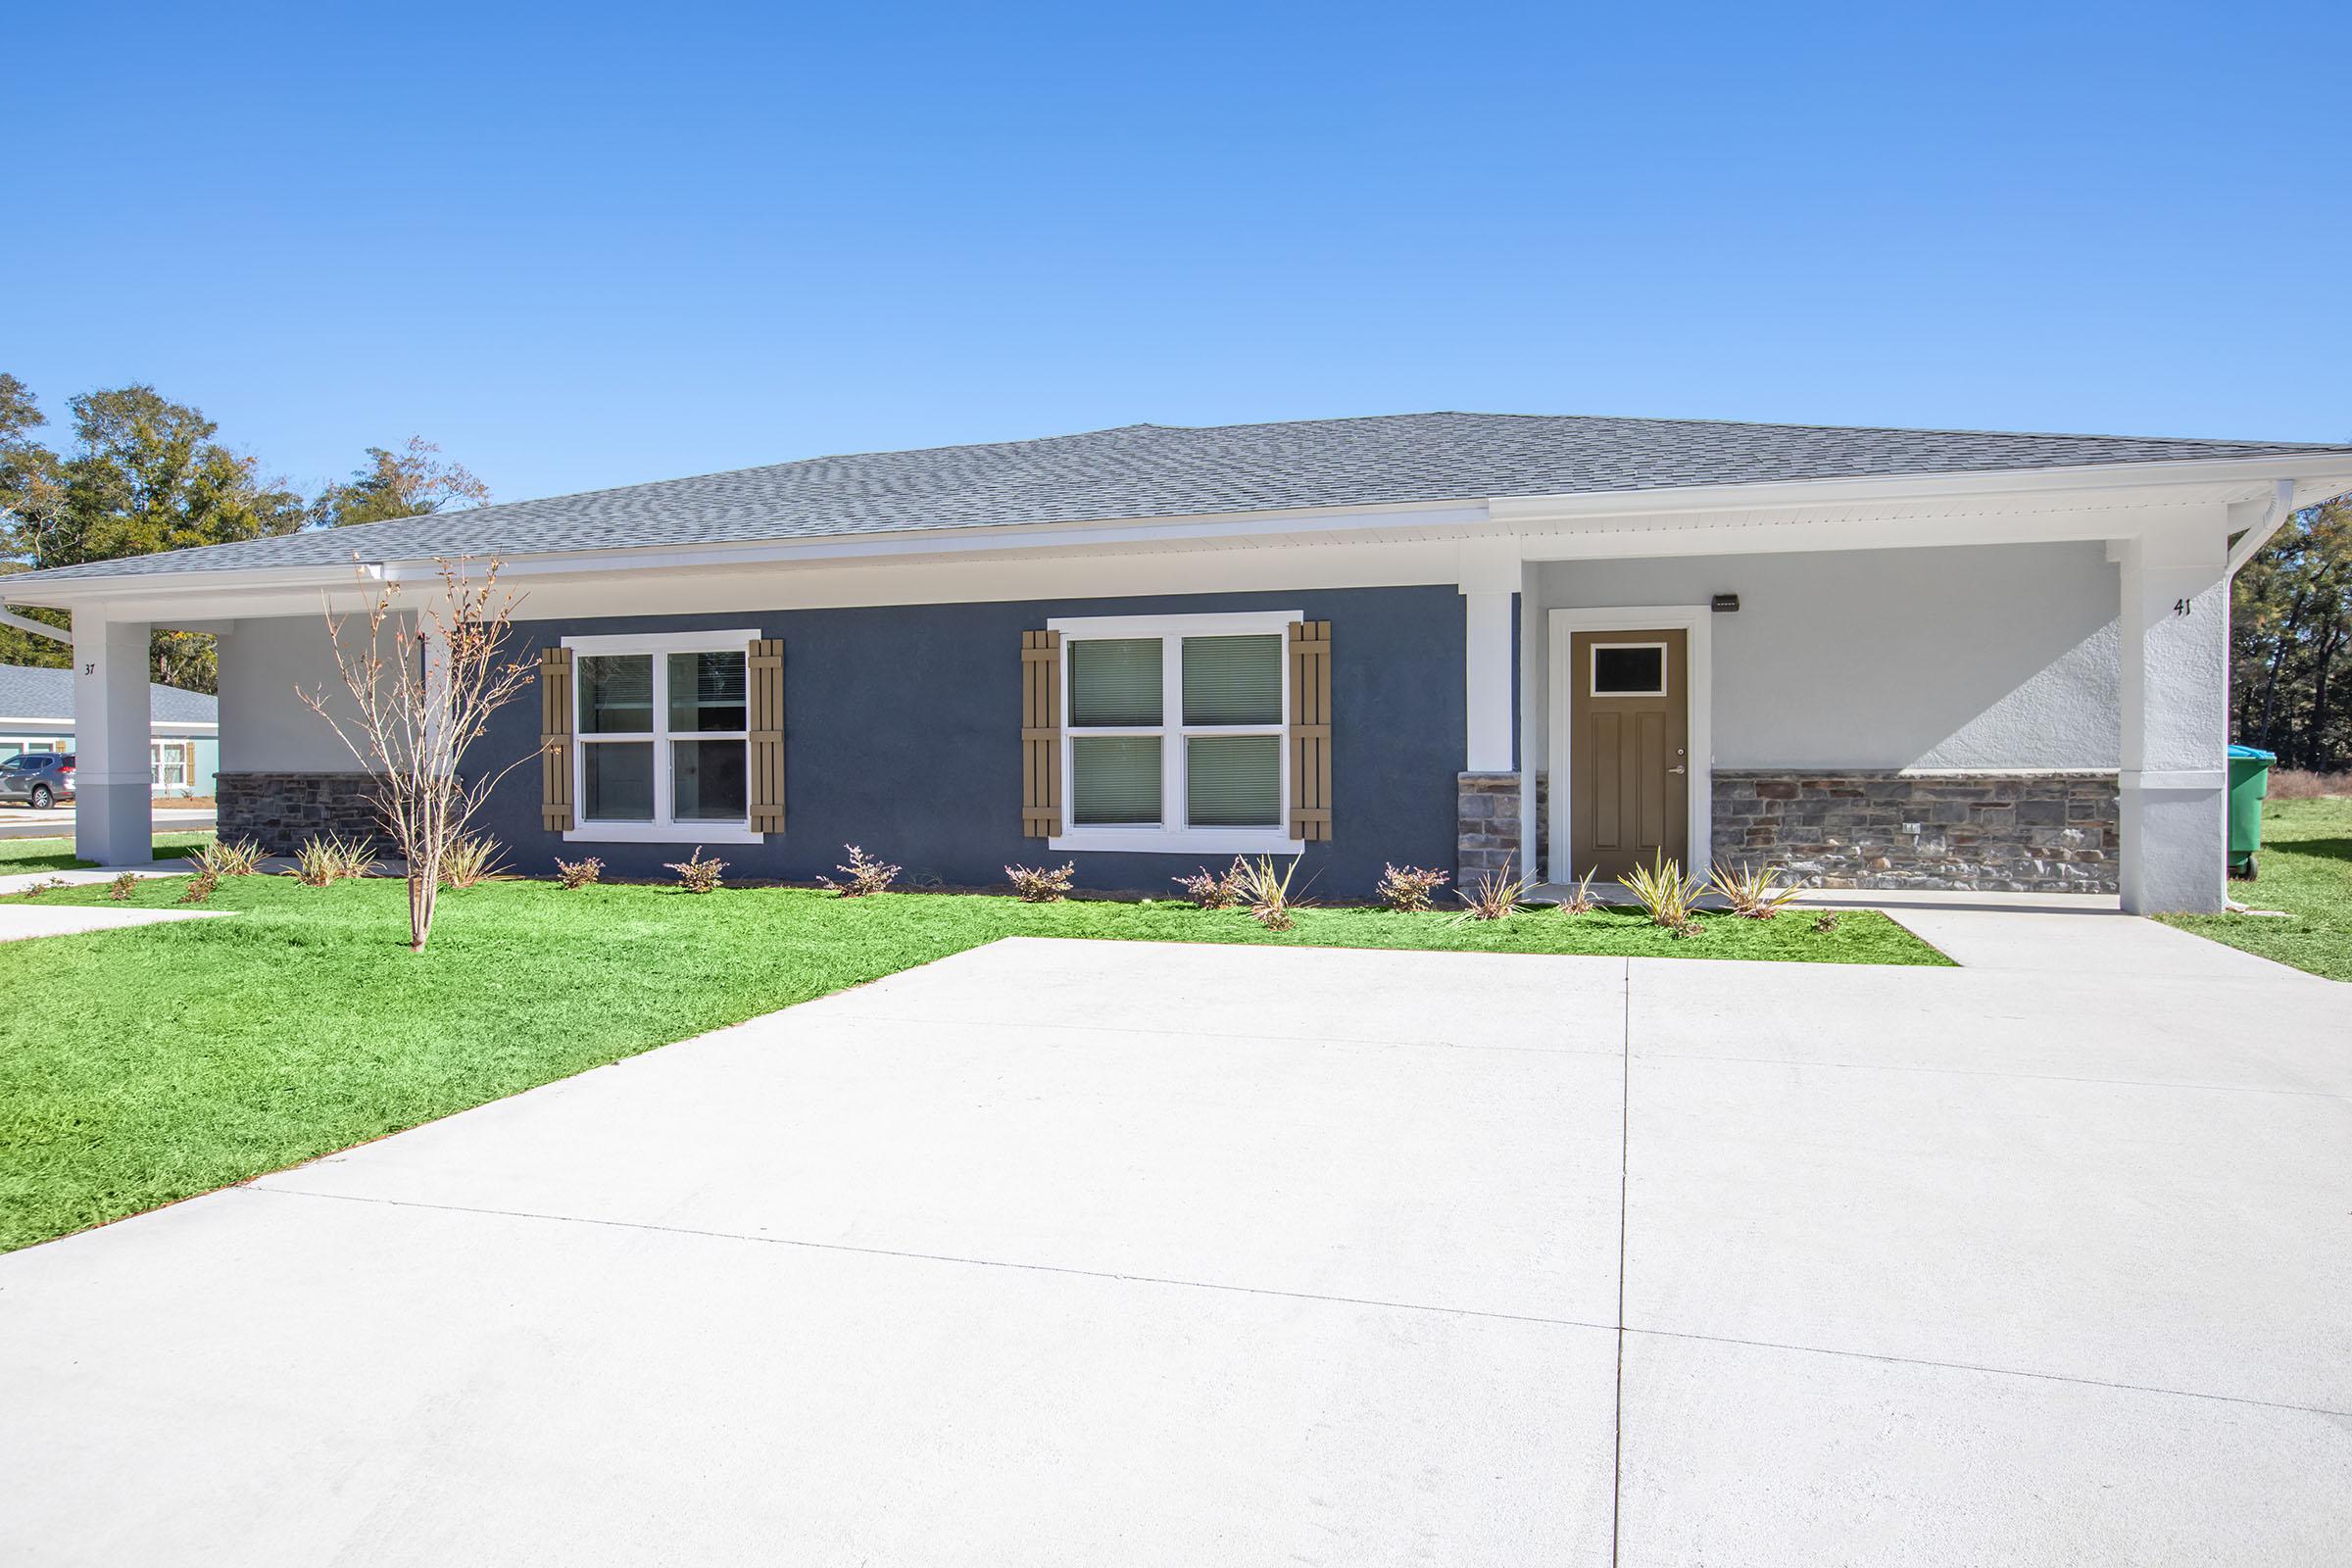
(2180,607)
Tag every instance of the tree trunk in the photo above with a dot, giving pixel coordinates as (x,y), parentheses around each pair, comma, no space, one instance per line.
(2314,740)
(425,888)
(2286,642)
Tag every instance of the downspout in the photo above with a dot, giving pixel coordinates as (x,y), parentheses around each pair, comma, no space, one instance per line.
(2282,504)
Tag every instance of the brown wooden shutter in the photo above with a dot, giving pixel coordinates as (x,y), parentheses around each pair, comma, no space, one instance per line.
(1310,730)
(1041,734)
(555,740)
(765,695)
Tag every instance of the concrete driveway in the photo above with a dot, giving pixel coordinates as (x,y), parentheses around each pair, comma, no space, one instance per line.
(1096,1252)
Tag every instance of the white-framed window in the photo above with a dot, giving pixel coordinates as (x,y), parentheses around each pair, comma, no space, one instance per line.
(167,765)
(660,736)
(1173,733)
(1627,670)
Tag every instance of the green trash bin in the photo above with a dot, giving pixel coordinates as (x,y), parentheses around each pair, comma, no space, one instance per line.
(2249,781)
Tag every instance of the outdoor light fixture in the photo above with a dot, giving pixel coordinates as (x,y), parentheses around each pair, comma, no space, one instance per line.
(1727,604)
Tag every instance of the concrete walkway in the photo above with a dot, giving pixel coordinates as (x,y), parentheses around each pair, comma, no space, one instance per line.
(1106,1252)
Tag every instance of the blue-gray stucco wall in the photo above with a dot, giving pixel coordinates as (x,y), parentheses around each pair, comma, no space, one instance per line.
(902,735)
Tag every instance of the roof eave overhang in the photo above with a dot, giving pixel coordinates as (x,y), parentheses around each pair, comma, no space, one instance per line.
(2315,476)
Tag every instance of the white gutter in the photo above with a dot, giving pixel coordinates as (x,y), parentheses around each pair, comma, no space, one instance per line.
(2282,506)
(39,628)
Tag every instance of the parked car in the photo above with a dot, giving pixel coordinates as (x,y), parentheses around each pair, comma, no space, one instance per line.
(42,778)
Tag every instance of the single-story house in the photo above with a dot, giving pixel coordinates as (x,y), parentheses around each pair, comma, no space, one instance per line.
(1879,657)
(183,745)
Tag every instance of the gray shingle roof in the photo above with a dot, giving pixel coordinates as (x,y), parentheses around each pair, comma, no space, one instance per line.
(30,693)
(1147,470)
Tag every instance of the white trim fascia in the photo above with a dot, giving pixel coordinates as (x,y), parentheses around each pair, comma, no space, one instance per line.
(2322,467)
(1697,621)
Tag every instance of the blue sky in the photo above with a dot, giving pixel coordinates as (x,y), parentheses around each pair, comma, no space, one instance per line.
(582,246)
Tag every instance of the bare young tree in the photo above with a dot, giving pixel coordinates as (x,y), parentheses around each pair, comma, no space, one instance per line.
(423,689)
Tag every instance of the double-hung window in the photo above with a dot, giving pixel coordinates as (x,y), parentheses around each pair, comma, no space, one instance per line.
(1173,738)
(662,728)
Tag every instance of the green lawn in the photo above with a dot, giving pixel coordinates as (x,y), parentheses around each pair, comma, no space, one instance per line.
(2306,870)
(176,1059)
(56,854)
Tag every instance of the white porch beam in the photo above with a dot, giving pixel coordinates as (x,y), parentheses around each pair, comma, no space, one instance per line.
(2175,717)
(1490,581)
(112,814)
(38,628)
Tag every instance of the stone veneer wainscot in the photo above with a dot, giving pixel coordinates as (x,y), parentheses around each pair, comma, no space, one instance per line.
(281,810)
(1967,832)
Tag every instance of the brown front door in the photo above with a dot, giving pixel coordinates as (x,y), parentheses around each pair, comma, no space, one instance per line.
(1629,757)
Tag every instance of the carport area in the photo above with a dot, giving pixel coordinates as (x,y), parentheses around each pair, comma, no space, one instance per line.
(1103,1252)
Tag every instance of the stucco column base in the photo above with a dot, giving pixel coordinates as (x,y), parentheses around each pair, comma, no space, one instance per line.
(2178,829)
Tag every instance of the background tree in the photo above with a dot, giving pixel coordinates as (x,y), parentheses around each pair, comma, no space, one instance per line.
(407,483)
(144,473)
(2291,642)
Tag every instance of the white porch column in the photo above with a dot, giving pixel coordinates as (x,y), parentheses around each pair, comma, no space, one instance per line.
(112,811)
(2175,718)
(1490,588)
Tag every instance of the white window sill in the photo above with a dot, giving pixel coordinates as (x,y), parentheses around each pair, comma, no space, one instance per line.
(687,833)
(1177,841)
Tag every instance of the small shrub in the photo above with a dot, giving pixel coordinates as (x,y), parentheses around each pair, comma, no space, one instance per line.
(1753,893)
(241,859)
(1494,896)
(1579,898)
(471,861)
(1407,889)
(122,887)
(1216,890)
(1826,921)
(576,874)
(44,885)
(2302,784)
(865,876)
(1666,896)
(696,874)
(1036,885)
(200,887)
(1266,893)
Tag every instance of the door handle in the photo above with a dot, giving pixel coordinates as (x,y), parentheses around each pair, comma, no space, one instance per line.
(1677,769)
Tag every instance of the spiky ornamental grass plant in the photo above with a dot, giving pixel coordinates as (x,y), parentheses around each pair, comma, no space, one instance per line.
(1266,893)
(1754,893)
(221,859)
(1669,897)
(1494,896)
(1579,898)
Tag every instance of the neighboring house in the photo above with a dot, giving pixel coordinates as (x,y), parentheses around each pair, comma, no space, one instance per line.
(1884,657)
(184,746)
